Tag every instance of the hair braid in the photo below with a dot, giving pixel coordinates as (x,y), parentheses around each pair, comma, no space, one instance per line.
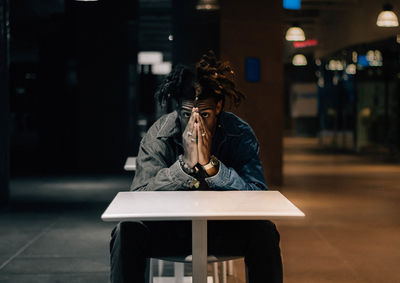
(210,78)
(219,76)
(171,87)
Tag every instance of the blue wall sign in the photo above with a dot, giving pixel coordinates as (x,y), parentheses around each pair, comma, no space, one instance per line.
(253,66)
(292,4)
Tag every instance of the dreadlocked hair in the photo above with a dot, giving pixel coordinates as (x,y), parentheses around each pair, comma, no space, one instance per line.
(217,76)
(210,78)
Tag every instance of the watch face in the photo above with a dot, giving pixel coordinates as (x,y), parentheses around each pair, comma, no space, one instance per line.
(214,162)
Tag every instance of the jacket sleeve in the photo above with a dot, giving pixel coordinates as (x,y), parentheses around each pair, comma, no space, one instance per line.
(152,171)
(248,175)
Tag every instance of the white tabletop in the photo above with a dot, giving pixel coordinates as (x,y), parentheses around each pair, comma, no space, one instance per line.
(130,164)
(199,205)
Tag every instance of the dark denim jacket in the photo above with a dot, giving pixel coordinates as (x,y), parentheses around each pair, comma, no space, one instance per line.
(234,144)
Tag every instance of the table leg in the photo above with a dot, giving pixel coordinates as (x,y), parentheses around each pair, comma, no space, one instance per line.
(199,251)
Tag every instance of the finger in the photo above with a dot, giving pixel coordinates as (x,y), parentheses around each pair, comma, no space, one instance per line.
(191,120)
(203,125)
(201,129)
(190,126)
(195,124)
(204,133)
(199,140)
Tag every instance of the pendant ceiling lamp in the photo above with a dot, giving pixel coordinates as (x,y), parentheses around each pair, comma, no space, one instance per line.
(207,5)
(387,18)
(295,33)
(299,60)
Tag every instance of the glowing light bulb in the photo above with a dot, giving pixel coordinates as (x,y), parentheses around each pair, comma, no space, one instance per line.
(207,5)
(295,34)
(387,18)
(351,69)
(299,60)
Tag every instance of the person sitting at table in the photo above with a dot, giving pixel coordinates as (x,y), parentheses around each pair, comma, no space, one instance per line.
(198,146)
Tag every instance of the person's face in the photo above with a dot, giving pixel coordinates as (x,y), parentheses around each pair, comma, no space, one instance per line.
(208,110)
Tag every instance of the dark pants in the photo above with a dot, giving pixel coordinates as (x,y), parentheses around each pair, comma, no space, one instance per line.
(133,242)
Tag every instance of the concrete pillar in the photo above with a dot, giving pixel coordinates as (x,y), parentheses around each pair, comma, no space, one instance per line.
(4,102)
(254,28)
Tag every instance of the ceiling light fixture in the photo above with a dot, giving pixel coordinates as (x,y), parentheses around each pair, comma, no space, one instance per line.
(387,18)
(207,5)
(354,56)
(299,60)
(335,65)
(295,33)
(351,69)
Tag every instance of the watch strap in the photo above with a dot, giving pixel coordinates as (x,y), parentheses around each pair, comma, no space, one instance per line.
(212,163)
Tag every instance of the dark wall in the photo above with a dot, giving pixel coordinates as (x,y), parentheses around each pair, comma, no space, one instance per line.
(254,29)
(4,101)
(82,105)
(103,57)
(195,32)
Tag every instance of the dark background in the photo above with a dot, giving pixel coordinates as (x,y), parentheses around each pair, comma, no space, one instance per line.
(75,92)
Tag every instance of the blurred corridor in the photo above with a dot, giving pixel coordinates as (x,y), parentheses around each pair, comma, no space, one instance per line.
(52,232)
(351,232)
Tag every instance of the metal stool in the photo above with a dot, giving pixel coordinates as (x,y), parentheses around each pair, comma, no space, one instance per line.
(179,267)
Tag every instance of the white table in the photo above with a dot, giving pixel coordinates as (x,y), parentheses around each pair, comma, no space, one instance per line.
(130,164)
(199,206)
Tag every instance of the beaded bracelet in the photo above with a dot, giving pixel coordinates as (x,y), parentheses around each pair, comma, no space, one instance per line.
(184,166)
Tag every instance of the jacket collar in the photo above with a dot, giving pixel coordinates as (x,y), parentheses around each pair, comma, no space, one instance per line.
(228,122)
(170,127)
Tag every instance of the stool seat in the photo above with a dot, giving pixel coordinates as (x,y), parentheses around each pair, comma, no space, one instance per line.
(210,258)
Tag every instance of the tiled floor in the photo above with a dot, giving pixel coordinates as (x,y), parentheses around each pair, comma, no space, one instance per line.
(351,232)
(52,231)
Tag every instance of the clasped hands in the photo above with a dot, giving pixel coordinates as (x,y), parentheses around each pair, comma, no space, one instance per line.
(197,141)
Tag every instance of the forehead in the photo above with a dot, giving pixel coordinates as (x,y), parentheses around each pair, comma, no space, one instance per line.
(201,104)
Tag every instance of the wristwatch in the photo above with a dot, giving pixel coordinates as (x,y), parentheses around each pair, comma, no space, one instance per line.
(214,162)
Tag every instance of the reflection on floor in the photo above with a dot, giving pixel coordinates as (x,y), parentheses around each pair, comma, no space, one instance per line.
(52,231)
(352,229)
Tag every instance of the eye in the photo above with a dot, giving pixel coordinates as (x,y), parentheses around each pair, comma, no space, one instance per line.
(186,114)
(205,115)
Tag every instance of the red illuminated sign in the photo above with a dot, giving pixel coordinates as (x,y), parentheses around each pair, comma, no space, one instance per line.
(306,43)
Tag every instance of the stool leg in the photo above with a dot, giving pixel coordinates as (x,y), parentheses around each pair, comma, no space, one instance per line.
(150,270)
(215,272)
(178,272)
(224,272)
(160,267)
(230,267)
